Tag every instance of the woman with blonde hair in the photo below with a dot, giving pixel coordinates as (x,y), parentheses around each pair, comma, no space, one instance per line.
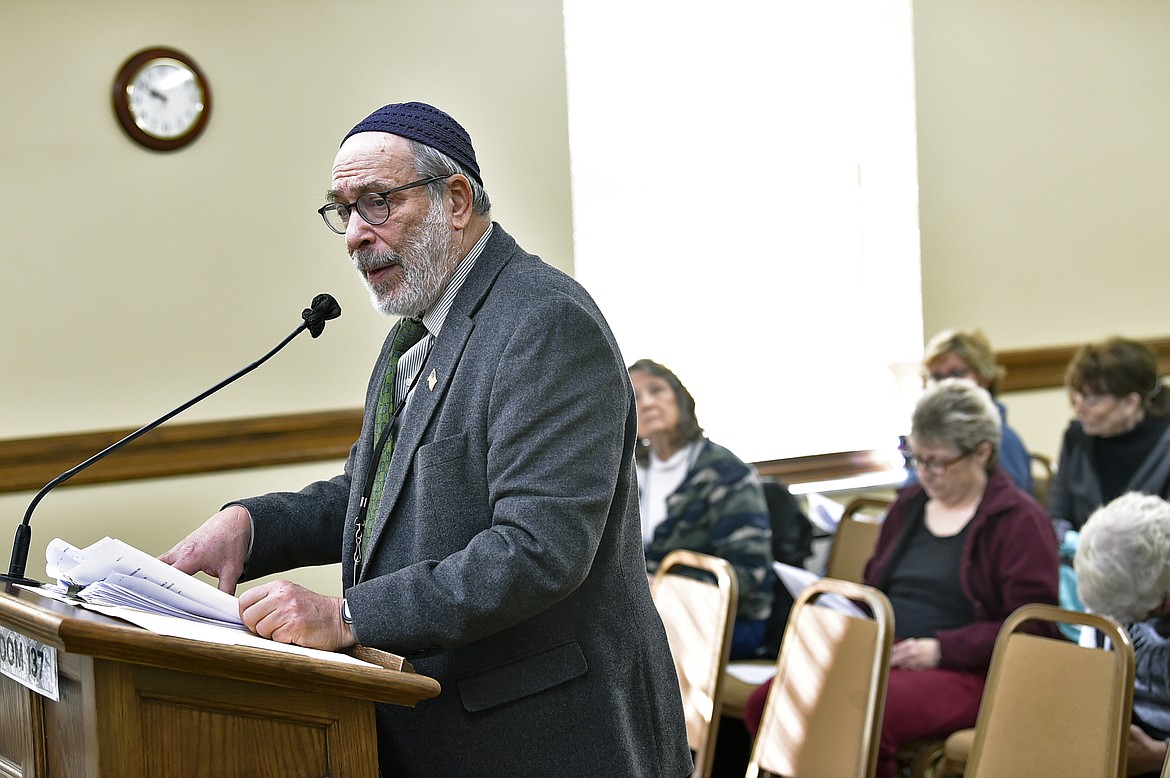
(968,354)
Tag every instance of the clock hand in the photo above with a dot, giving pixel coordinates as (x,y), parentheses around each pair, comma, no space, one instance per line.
(155,93)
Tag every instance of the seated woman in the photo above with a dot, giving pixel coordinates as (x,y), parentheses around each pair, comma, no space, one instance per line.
(967,354)
(958,552)
(1120,440)
(699,496)
(1123,571)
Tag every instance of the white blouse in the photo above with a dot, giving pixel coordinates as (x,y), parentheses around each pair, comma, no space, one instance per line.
(660,479)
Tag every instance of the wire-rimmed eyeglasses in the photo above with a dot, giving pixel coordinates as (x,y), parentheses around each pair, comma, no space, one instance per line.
(373,207)
(935,466)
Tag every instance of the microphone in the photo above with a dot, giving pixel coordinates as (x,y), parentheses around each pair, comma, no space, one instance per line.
(323,308)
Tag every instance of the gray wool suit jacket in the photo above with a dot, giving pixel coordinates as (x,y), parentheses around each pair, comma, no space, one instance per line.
(506,557)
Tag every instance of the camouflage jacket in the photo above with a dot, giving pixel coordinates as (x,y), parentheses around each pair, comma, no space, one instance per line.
(720,510)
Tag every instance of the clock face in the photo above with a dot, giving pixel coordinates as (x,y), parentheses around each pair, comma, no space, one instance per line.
(165,99)
(161,99)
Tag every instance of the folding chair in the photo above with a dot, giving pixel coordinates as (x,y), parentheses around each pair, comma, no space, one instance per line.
(1050,707)
(792,535)
(855,538)
(1042,473)
(851,548)
(699,615)
(823,715)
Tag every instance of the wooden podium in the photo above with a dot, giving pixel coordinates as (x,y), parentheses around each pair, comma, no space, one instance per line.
(133,703)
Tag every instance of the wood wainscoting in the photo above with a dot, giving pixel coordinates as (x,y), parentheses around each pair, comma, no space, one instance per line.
(27,464)
(180,449)
(1043,368)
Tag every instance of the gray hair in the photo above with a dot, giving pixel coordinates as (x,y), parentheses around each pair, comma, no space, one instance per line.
(432,162)
(958,413)
(1123,557)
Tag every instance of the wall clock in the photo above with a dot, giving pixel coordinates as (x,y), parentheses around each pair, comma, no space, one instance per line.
(162,99)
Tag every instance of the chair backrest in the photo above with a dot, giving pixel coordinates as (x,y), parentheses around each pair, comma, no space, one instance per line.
(1053,706)
(824,711)
(1042,472)
(699,616)
(792,532)
(856,535)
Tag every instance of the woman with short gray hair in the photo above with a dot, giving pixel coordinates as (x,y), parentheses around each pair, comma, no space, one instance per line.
(961,415)
(957,553)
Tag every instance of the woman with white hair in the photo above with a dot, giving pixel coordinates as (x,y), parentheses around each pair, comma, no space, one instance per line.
(1123,571)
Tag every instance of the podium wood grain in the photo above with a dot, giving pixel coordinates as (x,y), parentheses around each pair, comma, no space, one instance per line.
(135,703)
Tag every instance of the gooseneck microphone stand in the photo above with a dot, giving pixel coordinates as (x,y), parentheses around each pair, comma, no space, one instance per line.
(322,309)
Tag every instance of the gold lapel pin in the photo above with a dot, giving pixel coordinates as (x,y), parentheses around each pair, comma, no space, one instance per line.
(432,379)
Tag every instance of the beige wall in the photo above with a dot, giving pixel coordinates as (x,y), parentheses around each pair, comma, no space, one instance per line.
(1044,164)
(144,278)
(133,280)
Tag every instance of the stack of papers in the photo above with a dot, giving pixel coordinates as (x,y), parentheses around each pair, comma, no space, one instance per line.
(118,580)
(797,579)
(113,573)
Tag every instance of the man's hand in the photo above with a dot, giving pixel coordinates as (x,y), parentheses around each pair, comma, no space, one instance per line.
(1145,754)
(288,613)
(915,654)
(218,548)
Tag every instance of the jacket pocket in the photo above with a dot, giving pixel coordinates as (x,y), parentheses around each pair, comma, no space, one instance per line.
(524,677)
(443,450)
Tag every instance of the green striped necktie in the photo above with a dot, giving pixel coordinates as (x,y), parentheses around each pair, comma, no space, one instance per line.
(410,332)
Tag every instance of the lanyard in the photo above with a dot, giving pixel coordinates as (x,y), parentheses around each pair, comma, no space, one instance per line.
(372,470)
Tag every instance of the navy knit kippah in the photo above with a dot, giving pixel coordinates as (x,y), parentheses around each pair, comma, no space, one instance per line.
(425,124)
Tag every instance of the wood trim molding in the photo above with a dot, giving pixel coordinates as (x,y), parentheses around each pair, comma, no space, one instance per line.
(825,467)
(27,464)
(1043,368)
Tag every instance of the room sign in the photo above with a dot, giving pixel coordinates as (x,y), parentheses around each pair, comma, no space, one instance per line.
(29,662)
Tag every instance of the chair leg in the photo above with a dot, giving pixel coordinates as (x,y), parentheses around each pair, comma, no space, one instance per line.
(945,768)
(926,761)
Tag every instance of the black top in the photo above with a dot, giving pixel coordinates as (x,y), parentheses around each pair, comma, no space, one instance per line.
(1118,457)
(924,589)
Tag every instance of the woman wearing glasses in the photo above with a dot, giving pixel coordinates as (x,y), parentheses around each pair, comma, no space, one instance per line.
(1118,443)
(968,354)
(956,555)
(958,552)
(1120,439)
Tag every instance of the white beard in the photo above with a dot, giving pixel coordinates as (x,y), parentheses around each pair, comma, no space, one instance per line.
(426,265)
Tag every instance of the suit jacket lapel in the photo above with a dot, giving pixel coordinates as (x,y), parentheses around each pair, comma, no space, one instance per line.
(444,357)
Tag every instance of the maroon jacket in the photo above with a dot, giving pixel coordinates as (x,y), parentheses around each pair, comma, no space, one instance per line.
(1009,559)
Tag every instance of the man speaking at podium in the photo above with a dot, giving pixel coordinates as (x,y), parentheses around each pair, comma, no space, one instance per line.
(487,518)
